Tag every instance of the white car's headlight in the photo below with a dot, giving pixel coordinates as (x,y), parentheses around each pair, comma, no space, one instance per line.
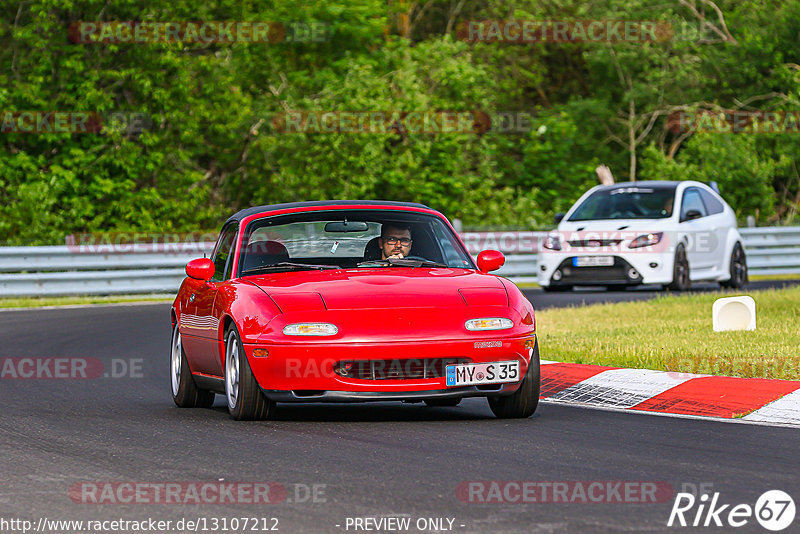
(490,323)
(552,242)
(310,329)
(646,240)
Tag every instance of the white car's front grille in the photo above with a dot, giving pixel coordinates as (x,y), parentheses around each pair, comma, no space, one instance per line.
(590,243)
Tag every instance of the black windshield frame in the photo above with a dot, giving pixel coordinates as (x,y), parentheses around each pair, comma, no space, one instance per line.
(439,229)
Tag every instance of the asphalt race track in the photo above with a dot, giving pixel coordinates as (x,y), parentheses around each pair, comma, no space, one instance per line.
(376,460)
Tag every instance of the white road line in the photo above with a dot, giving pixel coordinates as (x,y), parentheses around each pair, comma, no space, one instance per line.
(784,410)
(741,421)
(621,388)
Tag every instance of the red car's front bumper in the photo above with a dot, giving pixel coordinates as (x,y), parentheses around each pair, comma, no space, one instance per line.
(307,372)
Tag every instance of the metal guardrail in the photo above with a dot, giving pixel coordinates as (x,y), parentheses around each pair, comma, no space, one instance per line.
(520,268)
(67,258)
(96,269)
(772,250)
(122,282)
(75,270)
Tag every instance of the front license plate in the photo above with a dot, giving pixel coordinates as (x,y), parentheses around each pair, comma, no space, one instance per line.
(470,374)
(593,261)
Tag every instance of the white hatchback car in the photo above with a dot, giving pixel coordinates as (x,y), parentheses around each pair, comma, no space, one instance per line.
(669,233)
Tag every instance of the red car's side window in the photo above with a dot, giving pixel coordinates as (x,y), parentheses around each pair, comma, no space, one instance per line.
(222,257)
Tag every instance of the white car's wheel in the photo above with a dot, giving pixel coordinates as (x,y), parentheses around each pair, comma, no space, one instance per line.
(680,271)
(738,269)
(245,399)
(185,392)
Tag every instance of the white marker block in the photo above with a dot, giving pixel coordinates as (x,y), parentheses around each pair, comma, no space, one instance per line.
(734,313)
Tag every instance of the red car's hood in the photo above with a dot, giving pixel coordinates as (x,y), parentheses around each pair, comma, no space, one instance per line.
(380,288)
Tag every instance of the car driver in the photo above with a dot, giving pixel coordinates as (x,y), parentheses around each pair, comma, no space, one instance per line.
(395,242)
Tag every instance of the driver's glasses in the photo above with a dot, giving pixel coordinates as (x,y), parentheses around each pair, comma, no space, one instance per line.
(405,241)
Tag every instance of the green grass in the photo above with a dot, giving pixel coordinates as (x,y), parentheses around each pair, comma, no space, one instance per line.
(774,277)
(39,302)
(673,333)
(760,277)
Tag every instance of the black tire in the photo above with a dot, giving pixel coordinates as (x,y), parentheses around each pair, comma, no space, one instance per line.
(185,392)
(242,393)
(738,269)
(556,289)
(440,403)
(616,287)
(523,402)
(680,271)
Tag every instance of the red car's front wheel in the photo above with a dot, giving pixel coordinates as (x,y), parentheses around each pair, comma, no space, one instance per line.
(185,392)
(245,400)
(523,402)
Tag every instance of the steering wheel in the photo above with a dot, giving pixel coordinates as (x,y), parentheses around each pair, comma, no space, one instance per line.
(623,214)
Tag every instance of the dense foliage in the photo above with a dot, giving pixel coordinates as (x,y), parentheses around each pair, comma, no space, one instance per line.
(211,142)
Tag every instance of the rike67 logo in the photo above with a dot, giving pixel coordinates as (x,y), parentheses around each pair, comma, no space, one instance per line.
(774,510)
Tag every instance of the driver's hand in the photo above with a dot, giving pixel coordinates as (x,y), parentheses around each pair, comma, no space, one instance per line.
(398,256)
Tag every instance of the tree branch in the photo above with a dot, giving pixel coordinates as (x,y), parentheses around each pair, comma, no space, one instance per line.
(453,14)
(746,102)
(724,35)
(14,56)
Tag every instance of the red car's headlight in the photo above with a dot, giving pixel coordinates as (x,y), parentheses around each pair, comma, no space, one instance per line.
(310,329)
(490,323)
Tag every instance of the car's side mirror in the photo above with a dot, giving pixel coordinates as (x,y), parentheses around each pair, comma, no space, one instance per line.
(559,217)
(490,260)
(201,269)
(691,215)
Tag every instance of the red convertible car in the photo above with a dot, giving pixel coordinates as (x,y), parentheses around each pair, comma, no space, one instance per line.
(350,301)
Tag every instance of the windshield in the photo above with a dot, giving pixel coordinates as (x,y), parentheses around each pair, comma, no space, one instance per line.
(626,203)
(349,239)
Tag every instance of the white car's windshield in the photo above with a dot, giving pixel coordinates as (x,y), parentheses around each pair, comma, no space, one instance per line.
(626,203)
